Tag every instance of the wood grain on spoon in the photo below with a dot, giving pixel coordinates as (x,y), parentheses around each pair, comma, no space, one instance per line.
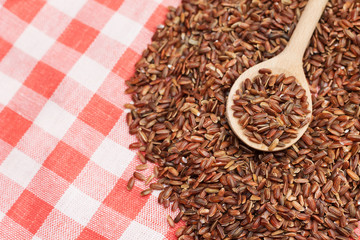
(288,62)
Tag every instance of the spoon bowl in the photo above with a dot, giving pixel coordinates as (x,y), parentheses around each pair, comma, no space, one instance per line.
(289,62)
(277,67)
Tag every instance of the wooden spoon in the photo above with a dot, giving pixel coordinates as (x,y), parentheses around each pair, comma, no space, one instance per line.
(288,62)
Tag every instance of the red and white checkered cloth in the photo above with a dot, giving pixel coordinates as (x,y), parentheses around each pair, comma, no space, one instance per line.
(64,157)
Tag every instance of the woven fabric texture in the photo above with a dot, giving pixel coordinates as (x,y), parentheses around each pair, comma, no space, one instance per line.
(64,157)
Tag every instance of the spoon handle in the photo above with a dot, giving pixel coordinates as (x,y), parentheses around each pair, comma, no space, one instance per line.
(305,29)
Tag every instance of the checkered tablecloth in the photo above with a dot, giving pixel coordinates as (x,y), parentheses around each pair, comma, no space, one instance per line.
(64,157)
